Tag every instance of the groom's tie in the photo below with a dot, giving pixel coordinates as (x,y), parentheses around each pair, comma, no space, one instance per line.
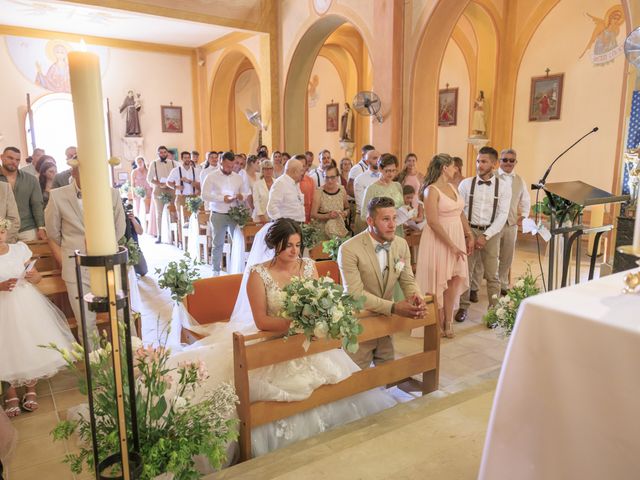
(383,246)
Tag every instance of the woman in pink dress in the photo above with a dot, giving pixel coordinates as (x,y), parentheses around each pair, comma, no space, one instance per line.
(446,241)
(139,179)
(409,175)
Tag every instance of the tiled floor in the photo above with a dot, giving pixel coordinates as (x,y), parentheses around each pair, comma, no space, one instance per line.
(470,364)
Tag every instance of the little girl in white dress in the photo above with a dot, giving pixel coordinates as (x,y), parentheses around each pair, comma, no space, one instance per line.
(27,319)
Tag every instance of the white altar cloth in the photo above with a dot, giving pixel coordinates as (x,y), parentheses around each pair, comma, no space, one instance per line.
(567,404)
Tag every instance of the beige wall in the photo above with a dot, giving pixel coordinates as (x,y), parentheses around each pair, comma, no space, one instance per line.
(591,98)
(329,90)
(453,139)
(247,97)
(160,78)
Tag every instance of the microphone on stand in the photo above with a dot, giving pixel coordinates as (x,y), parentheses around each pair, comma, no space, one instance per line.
(542,181)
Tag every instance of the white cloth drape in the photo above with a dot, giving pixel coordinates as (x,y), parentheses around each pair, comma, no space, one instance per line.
(165,225)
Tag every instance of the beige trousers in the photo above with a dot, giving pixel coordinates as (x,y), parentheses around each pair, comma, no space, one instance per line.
(378,351)
(159,205)
(508,237)
(488,258)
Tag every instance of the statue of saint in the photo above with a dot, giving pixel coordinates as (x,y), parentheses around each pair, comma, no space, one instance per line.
(346,124)
(479,126)
(131,106)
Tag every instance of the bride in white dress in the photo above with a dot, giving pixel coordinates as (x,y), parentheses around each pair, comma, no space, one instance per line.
(257,307)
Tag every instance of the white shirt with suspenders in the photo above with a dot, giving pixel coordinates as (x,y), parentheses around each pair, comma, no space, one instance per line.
(178,173)
(486,204)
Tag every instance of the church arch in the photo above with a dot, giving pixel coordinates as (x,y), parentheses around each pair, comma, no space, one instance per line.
(308,48)
(222,108)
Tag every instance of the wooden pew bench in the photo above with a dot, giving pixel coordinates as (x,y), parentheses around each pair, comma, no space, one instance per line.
(264,348)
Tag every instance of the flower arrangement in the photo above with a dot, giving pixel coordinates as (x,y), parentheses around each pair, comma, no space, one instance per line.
(172,428)
(240,214)
(139,192)
(503,314)
(193,204)
(178,277)
(564,208)
(124,188)
(332,246)
(134,250)
(165,198)
(310,235)
(321,308)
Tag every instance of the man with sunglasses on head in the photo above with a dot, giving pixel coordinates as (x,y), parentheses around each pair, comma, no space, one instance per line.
(520,206)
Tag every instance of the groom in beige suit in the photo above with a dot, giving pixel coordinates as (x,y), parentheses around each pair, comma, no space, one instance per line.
(371,263)
(65,229)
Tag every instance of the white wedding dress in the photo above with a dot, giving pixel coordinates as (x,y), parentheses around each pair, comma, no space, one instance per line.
(287,381)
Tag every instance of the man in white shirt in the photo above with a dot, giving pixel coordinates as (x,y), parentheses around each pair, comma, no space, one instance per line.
(208,166)
(224,189)
(317,174)
(360,185)
(520,202)
(158,176)
(486,205)
(184,180)
(285,198)
(358,169)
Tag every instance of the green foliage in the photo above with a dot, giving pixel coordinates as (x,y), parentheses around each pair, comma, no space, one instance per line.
(124,188)
(134,250)
(139,192)
(172,429)
(240,214)
(564,208)
(332,246)
(193,204)
(503,314)
(165,198)
(321,308)
(310,235)
(178,277)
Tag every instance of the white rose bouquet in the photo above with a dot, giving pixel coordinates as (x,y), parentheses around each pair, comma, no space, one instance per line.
(503,314)
(321,308)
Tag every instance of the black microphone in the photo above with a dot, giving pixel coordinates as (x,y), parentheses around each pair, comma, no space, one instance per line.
(543,180)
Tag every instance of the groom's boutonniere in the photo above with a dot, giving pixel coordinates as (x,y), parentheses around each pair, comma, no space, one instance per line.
(399,265)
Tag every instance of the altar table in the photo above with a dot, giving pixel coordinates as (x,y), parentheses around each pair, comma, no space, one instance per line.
(567,404)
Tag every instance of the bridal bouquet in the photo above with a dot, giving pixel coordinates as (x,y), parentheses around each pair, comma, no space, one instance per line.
(321,308)
(172,427)
(503,314)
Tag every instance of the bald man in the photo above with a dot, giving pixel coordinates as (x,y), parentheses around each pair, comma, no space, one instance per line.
(285,198)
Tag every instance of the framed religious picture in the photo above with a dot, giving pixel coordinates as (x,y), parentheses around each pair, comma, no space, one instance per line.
(447,107)
(332,117)
(171,118)
(546,98)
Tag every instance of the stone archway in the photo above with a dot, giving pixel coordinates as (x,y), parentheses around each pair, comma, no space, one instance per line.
(297,80)
(222,111)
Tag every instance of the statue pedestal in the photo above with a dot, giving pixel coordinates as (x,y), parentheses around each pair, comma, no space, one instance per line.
(348,148)
(132,147)
(477,141)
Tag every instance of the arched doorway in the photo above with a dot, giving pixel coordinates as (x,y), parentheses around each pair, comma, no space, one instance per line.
(333,42)
(235,90)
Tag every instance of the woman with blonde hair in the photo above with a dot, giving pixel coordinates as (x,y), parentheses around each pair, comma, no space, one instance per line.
(446,241)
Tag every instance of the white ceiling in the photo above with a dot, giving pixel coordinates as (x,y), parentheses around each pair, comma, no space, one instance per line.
(107,22)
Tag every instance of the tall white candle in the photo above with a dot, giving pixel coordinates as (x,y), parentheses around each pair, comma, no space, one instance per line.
(86,92)
(636,226)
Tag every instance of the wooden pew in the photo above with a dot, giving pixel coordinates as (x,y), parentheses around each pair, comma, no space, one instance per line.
(264,348)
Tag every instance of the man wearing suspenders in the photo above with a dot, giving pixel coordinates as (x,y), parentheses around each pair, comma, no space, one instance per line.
(486,205)
(360,167)
(159,171)
(184,179)
(317,175)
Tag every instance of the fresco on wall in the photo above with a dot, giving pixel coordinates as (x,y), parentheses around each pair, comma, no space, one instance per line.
(312,91)
(44,62)
(604,38)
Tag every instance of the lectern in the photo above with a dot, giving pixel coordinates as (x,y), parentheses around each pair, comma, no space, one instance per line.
(582,194)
